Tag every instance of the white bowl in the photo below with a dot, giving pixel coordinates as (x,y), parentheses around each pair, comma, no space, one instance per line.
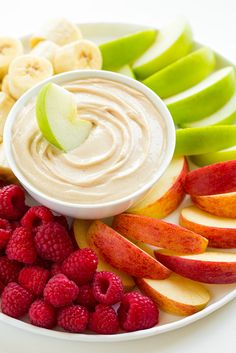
(90,211)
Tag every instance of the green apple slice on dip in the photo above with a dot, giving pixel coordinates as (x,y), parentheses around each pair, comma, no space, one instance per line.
(56,112)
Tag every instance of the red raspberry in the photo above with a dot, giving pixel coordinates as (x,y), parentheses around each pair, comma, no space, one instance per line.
(15,224)
(62,221)
(107,288)
(53,242)
(137,312)
(12,202)
(21,246)
(86,297)
(1,287)
(80,266)
(56,269)
(5,232)
(16,300)
(36,216)
(34,279)
(104,320)
(9,270)
(42,314)
(73,318)
(60,291)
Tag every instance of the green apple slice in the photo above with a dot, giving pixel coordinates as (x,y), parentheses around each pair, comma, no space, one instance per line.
(228,154)
(124,50)
(126,70)
(56,112)
(173,42)
(203,99)
(224,116)
(207,139)
(183,73)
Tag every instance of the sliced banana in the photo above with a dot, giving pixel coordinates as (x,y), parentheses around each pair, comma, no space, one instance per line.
(26,71)
(5,85)
(61,31)
(46,49)
(6,173)
(9,49)
(6,103)
(82,54)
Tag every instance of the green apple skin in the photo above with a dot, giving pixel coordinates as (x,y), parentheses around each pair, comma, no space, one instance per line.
(215,157)
(124,50)
(224,116)
(182,74)
(203,99)
(126,71)
(178,36)
(194,141)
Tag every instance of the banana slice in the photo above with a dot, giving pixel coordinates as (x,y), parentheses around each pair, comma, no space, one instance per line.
(82,54)
(46,49)
(61,31)
(6,102)
(5,85)
(26,71)
(6,173)
(9,49)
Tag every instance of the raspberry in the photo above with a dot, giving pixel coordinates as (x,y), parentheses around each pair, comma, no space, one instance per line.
(107,288)
(104,320)
(60,291)
(80,266)
(62,221)
(5,232)
(9,270)
(15,224)
(21,246)
(86,298)
(1,287)
(42,314)
(34,279)
(137,312)
(36,216)
(73,318)
(56,269)
(12,202)
(16,300)
(53,242)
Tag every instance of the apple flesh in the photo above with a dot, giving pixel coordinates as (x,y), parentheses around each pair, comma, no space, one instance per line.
(202,140)
(202,160)
(220,231)
(167,194)
(176,295)
(213,179)
(203,99)
(183,73)
(123,254)
(173,42)
(209,267)
(124,50)
(126,71)
(223,205)
(56,112)
(159,233)
(80,229)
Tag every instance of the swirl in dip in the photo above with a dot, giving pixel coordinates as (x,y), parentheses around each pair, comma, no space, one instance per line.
(122,153)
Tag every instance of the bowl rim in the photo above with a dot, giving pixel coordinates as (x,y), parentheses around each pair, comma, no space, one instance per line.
(76,75)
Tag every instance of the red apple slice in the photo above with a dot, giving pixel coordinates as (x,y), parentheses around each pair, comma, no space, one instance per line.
(209,267)
(123,254)
(159,233)
(176,294)
(220,231)
(223,205)
(166,195)
(213,179)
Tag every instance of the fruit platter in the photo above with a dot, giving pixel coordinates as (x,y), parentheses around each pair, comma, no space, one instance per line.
(118,180)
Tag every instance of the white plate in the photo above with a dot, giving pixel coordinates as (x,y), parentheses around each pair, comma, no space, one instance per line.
(221,294)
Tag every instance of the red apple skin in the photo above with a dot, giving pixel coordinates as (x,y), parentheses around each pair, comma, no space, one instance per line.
(124,255)
(201,271)
(224,238)
(168,203)
(213,179)
(159,233)
(223,205)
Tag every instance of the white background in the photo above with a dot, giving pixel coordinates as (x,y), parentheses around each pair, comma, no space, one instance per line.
(214,23)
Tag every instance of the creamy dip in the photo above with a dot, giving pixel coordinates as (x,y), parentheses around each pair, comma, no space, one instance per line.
(122,153)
